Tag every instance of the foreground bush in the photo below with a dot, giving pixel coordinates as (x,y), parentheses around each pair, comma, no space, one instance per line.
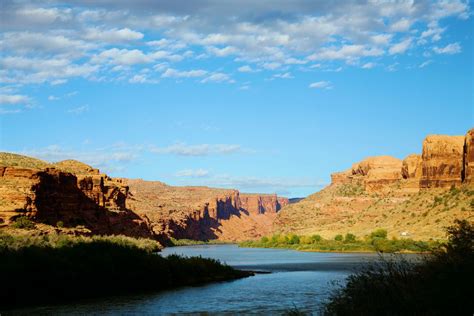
(46,269)
(441,284)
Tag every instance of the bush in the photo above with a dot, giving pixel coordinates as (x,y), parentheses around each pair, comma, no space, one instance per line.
(379,233)
(264,240)
(316,238)
(349,238)
(23,222)
(338,238)
(440,284)
(60,224)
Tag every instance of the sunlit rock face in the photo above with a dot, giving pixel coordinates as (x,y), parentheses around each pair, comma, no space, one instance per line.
(468,158)
(442,161)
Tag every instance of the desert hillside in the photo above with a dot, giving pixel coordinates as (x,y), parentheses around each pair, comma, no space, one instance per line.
(416,197)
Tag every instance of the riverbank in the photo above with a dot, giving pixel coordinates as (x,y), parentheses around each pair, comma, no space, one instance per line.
(375,242)
(58,268)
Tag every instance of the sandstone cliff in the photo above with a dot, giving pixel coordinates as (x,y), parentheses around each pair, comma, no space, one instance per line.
(442,161)
(203,213)
(50,195)
(418,196)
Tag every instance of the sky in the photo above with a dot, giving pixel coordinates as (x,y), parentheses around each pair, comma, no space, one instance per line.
(262,96)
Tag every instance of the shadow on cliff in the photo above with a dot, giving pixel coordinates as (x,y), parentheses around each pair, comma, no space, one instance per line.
(59,199)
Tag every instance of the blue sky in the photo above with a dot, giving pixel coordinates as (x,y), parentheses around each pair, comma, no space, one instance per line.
(263,97)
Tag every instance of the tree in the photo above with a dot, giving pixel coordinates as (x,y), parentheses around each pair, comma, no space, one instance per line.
(338,238)
(350,238)
(379,233)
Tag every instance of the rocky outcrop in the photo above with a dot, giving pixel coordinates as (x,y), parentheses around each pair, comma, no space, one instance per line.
(374,173)
(50,195)
(468,158)
(446,161)
(442,161)
(261,204)
(411,167)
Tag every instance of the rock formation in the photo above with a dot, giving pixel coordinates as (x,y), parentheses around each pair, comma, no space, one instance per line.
(468,158)
(442,161)
(420,195)
(50,195)
(203,213)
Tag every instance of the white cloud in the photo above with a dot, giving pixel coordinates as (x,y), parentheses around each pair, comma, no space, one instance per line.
(402,25)
(79,110)
(173,73)
(222,52)
(53,98)
(450,49)
(271,65)
(182,149)
(217,77)
(346,52)
(321,85)
(245,68)
(425,63)
(400,47)
(14,99)
(368,65)
(285,75)
(113,35)
(197,173)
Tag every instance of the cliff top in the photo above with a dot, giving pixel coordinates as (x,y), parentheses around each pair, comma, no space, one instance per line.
(76,167)
(20,161)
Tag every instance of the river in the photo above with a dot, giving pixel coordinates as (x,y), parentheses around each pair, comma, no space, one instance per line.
(298,279)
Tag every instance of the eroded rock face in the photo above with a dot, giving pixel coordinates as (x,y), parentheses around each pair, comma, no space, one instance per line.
(442,161)
(50,195)
(203,213)
(468,158)
(375,173)
(411,167)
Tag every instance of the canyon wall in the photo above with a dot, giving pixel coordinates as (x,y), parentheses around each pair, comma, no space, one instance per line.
(49,196)
(445,161)
(202,213)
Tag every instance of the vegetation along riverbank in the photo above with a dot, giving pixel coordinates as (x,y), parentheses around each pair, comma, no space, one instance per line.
(55,268)
(377,241)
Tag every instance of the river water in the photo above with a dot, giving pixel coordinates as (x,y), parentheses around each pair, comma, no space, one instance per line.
(298,279)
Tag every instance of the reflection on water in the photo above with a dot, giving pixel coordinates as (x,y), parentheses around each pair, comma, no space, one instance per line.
(301,279)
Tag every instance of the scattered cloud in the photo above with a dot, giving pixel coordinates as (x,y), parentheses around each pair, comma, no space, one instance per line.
(321,85)
(173,73)
(368,65)
(401,47)
(183,149)
(449,49)
(425,63)
(245,68)
(285,75)
(79,110)
(192,173)
(53,98)
(14,99)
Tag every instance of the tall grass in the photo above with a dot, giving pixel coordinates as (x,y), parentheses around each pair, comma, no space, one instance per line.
(441,284)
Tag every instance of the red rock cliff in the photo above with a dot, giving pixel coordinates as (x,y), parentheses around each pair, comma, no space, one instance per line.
(442,161)
(468,158)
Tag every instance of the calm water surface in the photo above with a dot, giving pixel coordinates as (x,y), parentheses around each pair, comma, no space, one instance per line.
(301,279)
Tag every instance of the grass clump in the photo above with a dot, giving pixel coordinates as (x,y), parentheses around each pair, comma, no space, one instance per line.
(438,285)
(23,222)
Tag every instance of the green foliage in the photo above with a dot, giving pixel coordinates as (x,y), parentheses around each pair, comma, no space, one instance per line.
(23,222)
(351,189)
(379,233)
(54,268)
(439,284)
(376,242)
(60,224)
(191,242)
(472,204)
(350,238)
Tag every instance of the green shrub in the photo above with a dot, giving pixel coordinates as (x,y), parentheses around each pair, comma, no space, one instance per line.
(379,233)
(293,239)
(316,238)
(338,238)
(350,238)
(264,240)
(23,222)
(60,224)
